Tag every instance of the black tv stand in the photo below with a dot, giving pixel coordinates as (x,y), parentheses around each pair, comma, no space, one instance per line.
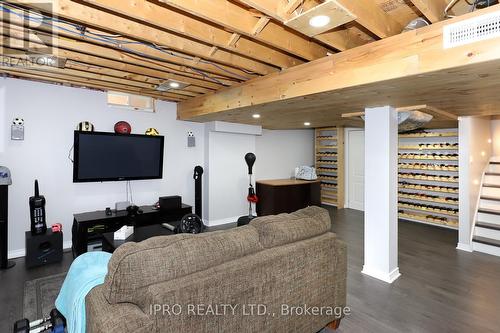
(90,226)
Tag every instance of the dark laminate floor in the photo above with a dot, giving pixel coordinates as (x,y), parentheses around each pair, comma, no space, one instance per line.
(440,290)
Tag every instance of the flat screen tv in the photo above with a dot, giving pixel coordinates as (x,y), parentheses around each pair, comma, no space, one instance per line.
(100,157)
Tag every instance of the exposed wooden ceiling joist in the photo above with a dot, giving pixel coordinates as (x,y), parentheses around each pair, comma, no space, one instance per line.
(85,82)
(370,16)
(92,54)
(432,9)
(165,18)
(94,18)
(410,68)
(238,19)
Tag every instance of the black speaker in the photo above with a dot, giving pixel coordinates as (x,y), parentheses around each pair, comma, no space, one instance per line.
(4,202)
(170,202)
(43,249)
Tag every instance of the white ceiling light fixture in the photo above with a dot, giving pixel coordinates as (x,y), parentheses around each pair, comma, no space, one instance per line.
(170,85)
(319,21)
(256,116)
(307,123)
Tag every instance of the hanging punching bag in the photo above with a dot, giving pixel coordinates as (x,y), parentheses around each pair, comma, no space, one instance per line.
(250,159)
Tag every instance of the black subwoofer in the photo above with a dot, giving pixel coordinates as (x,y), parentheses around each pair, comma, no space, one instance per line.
(43,249)
(4,212)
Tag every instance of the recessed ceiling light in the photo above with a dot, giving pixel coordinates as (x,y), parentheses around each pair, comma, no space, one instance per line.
(307,123)
(256,116)
(174,84)
(319,21)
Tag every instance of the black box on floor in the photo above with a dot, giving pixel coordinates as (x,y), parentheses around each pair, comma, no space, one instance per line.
(170,202)
(43,249)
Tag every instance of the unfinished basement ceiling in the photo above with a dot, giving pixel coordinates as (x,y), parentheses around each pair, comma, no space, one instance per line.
(138,46)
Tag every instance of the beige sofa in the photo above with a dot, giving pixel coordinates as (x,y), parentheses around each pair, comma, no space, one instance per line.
(284,273)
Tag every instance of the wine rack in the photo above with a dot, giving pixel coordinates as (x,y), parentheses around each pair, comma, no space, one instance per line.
(329,160)
(428,177)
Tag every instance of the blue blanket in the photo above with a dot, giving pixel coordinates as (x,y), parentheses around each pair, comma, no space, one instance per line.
(86,272)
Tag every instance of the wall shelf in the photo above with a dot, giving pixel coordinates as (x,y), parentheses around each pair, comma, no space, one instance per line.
(428,166)
(450,224)
(429,188)
(329,148)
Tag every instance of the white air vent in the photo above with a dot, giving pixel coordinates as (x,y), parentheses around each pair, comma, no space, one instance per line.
(473,30)
(131,101)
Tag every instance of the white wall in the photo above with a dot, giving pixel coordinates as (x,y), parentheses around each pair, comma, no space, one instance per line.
(51,114)
(279,152)
(495,135)
(475,152)
(227,176)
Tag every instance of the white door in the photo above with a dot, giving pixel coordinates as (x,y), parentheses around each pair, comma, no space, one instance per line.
(356,169)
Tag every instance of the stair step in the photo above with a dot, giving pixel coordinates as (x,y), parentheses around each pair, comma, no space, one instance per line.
(492,173)
(491,185)
(488,225)
(489,197)
(489,211)
(487,241)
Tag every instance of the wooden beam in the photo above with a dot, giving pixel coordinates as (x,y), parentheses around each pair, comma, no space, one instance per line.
(234,39)
(165,18)
(442,113)
(73,49)
(291,6)
(94,18)
(370,16)
(260,25)
(82,82)
(432,9)
(178,64)
(238,19)
(411,60)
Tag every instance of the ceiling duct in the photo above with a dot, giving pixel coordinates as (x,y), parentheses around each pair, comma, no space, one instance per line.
(411,120)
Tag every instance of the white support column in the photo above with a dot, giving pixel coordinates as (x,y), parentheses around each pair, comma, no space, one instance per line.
(381,194)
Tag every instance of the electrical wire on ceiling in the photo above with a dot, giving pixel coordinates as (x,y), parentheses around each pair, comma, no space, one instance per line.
(116,42)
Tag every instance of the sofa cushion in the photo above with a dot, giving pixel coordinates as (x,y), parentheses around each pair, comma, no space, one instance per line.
(135,266)
(276,230)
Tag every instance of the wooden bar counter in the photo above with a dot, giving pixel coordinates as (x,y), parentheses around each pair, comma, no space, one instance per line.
(286,195)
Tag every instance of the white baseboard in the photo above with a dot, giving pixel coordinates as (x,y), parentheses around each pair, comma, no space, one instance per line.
(383,276)
(464,247)
(22,252)
(213,223)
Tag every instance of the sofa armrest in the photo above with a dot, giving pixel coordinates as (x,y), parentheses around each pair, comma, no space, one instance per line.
(340,275)
(102,317)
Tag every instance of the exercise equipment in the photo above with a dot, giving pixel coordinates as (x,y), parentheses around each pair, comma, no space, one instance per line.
(53,323)
(252,198)
(191,223)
